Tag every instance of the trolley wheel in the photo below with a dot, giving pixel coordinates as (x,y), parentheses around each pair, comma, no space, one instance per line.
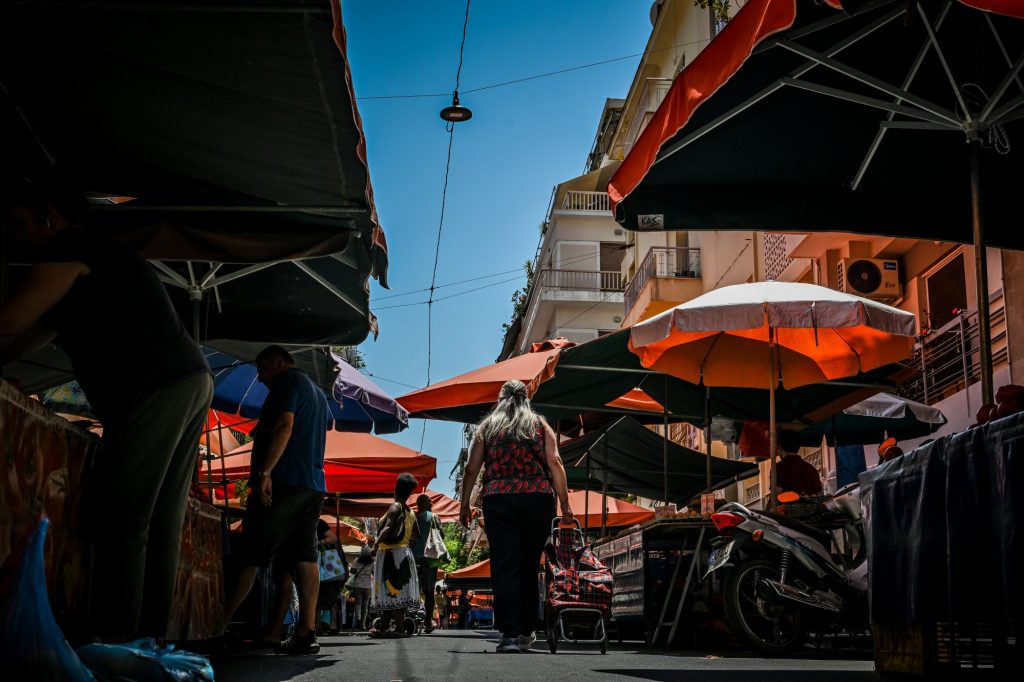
(375,623)
(410,626)
(552,635)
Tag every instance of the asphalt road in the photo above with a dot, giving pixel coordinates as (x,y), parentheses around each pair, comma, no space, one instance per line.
(469,655)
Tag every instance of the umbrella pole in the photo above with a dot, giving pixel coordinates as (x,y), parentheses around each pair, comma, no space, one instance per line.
(586,499)
(664,444)
(337,519)
(707,432)
(981,275)
(209,460)
(223,470)
(773,435)
(604,494)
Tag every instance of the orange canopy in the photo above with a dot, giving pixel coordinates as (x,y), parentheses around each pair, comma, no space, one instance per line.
(481,569)
(620,512)
(637,399)
(446,508)
(348,531)
(481,386)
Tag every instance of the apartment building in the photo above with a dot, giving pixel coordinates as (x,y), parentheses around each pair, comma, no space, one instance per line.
(577,287)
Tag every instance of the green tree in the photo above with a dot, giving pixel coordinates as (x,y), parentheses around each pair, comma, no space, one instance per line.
(350,354)
(520,297)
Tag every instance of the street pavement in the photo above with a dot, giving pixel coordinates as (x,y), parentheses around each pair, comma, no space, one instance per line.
(469,655)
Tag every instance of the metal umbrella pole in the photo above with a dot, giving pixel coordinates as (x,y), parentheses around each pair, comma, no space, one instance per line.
(664,445)
(773,434)
(604,494)
(981,273)
(707,432)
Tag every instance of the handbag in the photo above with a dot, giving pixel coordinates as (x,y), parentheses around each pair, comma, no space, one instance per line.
(330,563)
(396,532)
(435,550)
(350,584)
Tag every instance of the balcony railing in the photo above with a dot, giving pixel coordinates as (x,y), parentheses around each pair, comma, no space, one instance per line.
(581,280)
(948,358)
(663,261)
(650,99)
(753,494)
(591,202)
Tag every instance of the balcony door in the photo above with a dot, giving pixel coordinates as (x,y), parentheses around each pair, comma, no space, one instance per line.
(583,256)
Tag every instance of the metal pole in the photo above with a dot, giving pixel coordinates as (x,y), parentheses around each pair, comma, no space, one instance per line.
(965,352)
(707,432)
(223,470)
(981,273)
(604,494)
(773,435)
(586,499)
(664,444)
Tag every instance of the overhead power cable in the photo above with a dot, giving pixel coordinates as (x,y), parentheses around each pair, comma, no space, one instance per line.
(533,77)
(440,223)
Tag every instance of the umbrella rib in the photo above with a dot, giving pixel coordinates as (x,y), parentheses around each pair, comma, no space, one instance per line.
(174,277)
(945,64)
(1002,47)
(911,75)
(871,81)
(999,114)
(732,113)
(322,281)
(870,101)
(1003,87)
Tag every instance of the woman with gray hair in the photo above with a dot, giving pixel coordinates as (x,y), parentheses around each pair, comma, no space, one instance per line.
(522,472)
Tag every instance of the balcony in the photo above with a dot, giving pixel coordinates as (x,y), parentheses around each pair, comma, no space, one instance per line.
(576,202)
(948,357)
(581,280)
(667,263)
(651,97)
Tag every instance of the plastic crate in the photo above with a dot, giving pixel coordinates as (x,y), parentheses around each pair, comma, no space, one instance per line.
(944,648)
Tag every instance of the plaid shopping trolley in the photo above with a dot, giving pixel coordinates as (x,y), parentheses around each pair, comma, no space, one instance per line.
(577,589)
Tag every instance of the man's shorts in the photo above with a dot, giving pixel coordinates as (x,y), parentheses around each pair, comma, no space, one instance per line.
(286,528)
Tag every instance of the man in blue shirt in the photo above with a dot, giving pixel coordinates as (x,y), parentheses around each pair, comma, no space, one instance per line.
(287,489)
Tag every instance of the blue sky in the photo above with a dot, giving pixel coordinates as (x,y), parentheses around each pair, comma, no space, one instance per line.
(523,139)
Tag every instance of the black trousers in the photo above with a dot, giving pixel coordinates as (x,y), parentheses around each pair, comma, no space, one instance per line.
(428,579)
(517,526)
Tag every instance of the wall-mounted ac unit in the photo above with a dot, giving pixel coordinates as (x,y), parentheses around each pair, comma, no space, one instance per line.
(874,278)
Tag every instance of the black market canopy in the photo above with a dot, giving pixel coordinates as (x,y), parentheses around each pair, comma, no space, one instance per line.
(220,140)
(801,117)
(879,117)
(630,459)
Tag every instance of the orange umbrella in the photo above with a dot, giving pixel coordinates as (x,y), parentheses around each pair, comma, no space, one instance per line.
(620,512)
(354,463)
(481,386)
(754,335)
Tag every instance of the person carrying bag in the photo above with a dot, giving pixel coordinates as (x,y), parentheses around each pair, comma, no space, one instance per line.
(430,552)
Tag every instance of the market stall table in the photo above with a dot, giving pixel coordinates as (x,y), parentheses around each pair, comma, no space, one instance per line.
(657,569)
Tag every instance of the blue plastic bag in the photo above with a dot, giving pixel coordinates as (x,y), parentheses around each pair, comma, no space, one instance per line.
(144,661)
(32,646)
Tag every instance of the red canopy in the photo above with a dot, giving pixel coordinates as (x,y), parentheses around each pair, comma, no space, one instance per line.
(354,463)
(620,512)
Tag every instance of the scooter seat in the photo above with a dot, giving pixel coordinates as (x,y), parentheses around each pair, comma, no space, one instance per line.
(789,522)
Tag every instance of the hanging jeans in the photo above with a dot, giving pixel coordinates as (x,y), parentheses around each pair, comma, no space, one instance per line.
(518,526)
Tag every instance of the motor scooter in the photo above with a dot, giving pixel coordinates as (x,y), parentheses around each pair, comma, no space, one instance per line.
(787,576)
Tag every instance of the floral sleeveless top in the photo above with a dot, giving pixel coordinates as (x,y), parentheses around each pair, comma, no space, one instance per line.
(513,466)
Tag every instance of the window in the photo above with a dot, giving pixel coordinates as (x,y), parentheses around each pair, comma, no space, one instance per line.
(947,291)
(571,255)
(611,256)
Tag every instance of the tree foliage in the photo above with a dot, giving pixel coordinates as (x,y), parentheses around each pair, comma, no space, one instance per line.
(520,297)
(719,8)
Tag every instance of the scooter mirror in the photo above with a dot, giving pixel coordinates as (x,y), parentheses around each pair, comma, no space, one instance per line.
(788,496)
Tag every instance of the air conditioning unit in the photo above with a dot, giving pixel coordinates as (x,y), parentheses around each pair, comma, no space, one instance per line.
(874,278)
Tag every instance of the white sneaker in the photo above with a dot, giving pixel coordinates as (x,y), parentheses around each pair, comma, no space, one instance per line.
(508,646)
(526,641)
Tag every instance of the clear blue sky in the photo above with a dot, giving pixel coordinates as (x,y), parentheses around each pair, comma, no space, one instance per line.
(523,139)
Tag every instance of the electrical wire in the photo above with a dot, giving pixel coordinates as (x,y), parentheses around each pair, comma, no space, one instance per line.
(568,261)
(533,77)
(440,223)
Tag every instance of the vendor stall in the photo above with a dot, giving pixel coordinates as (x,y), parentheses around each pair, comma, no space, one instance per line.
(945,555)
(48,460)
